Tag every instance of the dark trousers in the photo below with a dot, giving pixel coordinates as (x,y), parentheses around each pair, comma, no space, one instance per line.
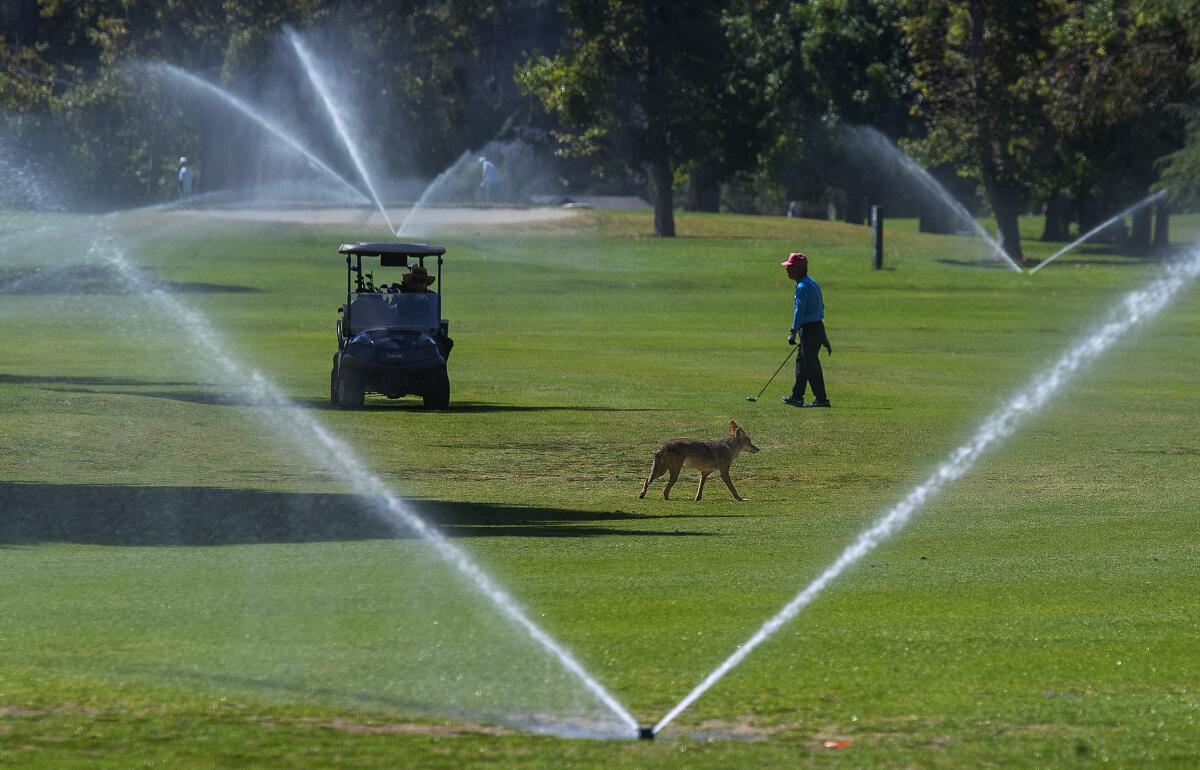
(808,366)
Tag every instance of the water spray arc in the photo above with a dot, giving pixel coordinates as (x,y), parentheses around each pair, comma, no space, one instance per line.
(1115,218)
(325,448)
(241,106)
(1137,307)
(335,114)
(428,192)
(881,144)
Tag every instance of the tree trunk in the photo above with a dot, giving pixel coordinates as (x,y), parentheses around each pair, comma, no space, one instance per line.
(856,203)
(1055,228)
(1139,232)
(1005,207)
(662,178)
(1000,196)
(936,219)
(1162,225)
(1010,230)
(704,189)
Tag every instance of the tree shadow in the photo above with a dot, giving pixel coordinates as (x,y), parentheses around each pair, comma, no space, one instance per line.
(55,379)
(468,719)
(205,397)
(123,515)
(97,280)
(1076,261)
(986,264)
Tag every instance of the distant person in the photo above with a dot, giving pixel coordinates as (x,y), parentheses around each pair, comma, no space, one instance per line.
(793,209)
(490,180)
(809,323)
(186,177)
(416,281)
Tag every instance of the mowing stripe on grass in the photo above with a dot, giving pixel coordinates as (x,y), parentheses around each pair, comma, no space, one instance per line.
(1135,308)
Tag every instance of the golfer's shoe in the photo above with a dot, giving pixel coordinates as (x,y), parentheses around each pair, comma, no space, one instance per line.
(819,404)
(792,401)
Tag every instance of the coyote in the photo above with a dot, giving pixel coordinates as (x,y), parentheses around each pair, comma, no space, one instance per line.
(704,456)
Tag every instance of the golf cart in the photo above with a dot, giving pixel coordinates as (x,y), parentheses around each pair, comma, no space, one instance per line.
(391,338)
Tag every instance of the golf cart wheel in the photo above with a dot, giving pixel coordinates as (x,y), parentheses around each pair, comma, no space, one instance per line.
(437,396)
(333,386)
(348,391)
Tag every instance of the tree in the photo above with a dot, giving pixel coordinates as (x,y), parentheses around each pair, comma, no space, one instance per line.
(647,84)
(1117,67)
(437,73)
(850,66)
(117,130)
(978,67)
(1181,168)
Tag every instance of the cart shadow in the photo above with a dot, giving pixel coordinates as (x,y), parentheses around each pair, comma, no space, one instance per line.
(112,387)
(123,515)
(468,407)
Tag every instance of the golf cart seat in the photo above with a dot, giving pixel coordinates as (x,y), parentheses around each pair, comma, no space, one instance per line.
(415,312)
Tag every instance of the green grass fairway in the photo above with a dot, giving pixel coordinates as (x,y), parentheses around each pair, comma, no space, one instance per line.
(181,585)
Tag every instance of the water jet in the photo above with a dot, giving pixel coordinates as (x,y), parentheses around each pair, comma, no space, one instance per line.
(1135,308)
(241,106)
(879,145)
(302,430)
(335,114)
(430,189)
(1098,228)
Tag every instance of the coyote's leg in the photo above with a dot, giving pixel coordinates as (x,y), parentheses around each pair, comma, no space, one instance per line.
(671,481)
(729,483)
(700,489)
(656,470)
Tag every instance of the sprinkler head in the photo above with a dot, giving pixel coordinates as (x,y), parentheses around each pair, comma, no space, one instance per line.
(645,733)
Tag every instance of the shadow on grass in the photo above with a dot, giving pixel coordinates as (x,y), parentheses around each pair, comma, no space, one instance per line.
(97,280)
(236,687)
(1078,261)
(988,264)
(198,516)
(75,385)
(469,407)
(205,397)
(50,379)
(227,398)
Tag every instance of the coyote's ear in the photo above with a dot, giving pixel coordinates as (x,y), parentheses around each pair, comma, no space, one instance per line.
(733,428)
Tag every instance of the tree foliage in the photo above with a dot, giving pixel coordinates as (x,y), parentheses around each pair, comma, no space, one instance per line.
(655,86)
(1075,107)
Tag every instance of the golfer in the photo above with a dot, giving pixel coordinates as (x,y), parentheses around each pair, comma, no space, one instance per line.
(490,180)
(809,323)
(186,178)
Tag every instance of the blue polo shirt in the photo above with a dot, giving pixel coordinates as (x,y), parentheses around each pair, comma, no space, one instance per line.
(809,304)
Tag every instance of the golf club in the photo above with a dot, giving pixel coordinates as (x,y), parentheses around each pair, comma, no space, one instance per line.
(764,387)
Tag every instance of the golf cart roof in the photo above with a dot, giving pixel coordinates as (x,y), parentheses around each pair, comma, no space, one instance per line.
(391,249)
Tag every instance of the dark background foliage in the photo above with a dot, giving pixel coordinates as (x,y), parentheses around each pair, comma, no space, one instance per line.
(1071,108)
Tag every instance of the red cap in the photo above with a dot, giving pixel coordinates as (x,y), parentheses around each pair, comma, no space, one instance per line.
(795,258)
